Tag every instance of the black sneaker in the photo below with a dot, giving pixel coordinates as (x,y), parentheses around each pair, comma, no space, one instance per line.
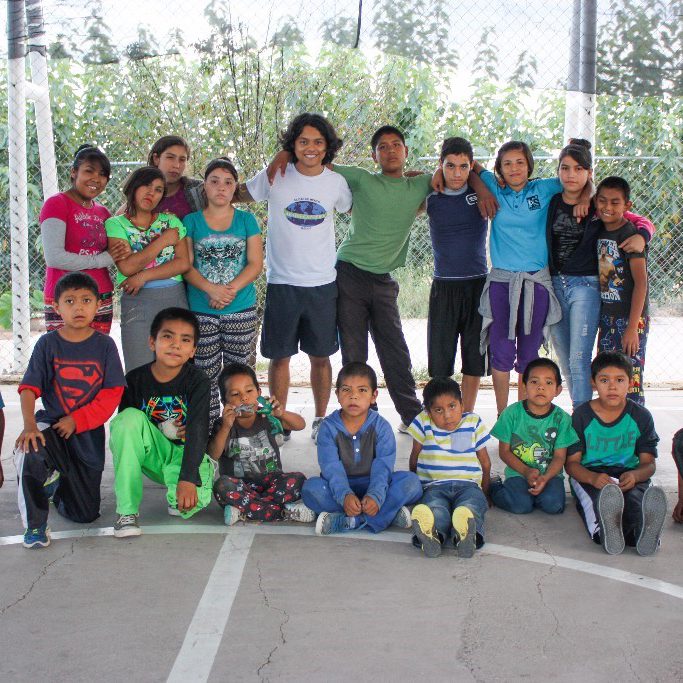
(610,513)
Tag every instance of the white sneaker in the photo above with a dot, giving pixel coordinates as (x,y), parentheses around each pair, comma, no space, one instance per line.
(173,511)
(315,428)
(127,525)
(402,519)
(403,428)
(232,515)
(299,512)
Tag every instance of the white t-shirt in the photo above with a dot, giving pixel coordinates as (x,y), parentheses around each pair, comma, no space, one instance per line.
(300,247)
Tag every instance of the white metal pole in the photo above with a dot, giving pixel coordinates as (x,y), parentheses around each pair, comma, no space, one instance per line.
(37,51)
(18,202)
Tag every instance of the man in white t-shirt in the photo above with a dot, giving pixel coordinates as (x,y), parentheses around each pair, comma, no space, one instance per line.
(301,297)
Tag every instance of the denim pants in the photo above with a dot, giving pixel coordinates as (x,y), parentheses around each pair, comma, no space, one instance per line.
(404,489)
(513,495)
(574,336)
(444,497)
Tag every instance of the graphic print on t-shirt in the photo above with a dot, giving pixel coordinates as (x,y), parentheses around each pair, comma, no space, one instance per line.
(306,213)
(160,409)
(611,270)
(76,382)
(537,453)
(139,239)
(253,455)
(220,259)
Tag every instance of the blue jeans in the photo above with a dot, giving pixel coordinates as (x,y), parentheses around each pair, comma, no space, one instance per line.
(574,336)
(513,495)
(404,489)
(444,497)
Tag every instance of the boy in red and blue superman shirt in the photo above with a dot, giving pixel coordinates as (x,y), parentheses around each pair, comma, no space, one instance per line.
(77,373)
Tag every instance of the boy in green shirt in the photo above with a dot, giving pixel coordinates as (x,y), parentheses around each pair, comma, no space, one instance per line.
(534,435)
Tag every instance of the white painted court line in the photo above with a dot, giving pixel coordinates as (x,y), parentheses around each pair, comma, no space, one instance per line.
(204,635)
(595,569)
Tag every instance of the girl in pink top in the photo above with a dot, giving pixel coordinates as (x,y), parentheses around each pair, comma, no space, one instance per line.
(73,235)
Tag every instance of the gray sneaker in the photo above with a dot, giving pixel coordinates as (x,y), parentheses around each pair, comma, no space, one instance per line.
(402,519)
(610,513)
(315,428)
(403,428)
(299,512)
(653,513)
(127,525)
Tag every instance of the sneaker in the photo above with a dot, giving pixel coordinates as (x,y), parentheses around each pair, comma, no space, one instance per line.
(231,515)
(402,519)
(403,428)
(465,538)
(285,435)
(336,523)
(653,512)
(423,527)
(37,538)
(610,512)
(51,484)
(299,512)
(127,525)
(315,428)
(173,511)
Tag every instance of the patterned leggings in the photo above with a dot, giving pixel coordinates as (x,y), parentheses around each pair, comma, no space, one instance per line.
(223,339)
(101,323)
(261,498)
(609,339)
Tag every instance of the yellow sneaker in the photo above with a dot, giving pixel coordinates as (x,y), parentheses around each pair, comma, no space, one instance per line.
(422,521)
(465,531)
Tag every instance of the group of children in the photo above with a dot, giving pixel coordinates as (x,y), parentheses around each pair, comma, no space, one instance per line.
(187,260)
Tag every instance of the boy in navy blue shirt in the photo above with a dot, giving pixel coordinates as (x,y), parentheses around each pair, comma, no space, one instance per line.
(458,235)
(77,373)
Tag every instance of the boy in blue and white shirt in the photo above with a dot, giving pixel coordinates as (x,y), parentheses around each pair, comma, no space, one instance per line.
(450,457)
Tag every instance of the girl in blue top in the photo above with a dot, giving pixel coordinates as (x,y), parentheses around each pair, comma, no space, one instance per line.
(226,256)
(518,304)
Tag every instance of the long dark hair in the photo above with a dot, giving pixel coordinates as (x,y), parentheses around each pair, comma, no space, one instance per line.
(138,178)
(321,124)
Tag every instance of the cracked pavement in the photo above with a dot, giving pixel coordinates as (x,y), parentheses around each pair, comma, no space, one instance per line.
(330,609)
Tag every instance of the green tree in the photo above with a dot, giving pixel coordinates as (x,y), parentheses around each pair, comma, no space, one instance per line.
(640,47)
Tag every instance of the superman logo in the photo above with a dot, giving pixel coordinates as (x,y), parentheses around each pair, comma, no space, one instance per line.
(76,382)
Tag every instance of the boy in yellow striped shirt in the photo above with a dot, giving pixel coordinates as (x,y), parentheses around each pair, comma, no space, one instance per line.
(450,457)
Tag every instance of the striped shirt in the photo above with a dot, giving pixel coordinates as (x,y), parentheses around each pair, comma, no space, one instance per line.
(449,456)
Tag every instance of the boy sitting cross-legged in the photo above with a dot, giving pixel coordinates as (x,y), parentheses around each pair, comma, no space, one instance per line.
(534,435)
(611,466)
(453,464)
(162,428)
(252,484)
(77,373)
(357,486)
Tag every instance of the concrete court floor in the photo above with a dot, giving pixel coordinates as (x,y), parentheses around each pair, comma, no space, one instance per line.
(197,601)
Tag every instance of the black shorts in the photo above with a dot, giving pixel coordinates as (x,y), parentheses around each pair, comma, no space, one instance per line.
(453,314)
(303,317)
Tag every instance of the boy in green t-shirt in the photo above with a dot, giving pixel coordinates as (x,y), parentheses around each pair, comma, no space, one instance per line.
(534,435)
(611,465)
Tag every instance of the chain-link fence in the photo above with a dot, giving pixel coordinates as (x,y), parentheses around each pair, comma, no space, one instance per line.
(228,76)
